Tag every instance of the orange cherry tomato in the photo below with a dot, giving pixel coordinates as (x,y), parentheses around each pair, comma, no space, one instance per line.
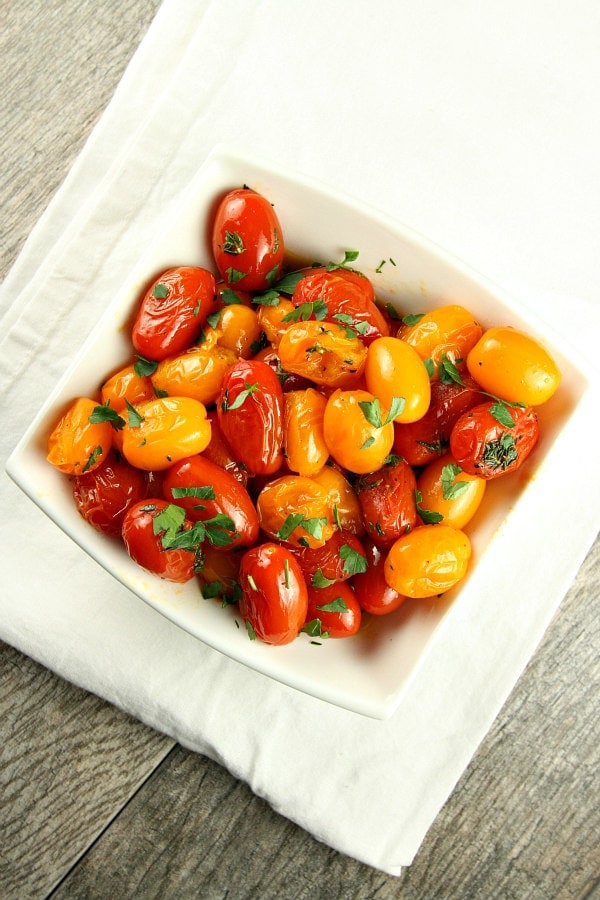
(274,597)
(272,319)
(427,561)
(446,490)
(514,366)
(305,448)
(333,611)
(357,430)
(165,430)
(323,352)
(197,373)
(342,499)
(79,442)
(448,330)
(239,329)
(395,369)
(295,509)
(126,386)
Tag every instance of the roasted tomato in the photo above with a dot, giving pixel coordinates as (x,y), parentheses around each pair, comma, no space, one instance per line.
(274,597)
(387,499)
(395,369)
(155,534)
(333,611)
(357,431)
(372,591)
(427,561)
(449,331)
(295,509)
(324,352)
(197,373)
(220,453)
(514,366)
(104,495)
(305,448)
(173,311)
(342,499)
(343,296)
(247,241)
(239,330)
(449,494)
(429,438)
(127,386)
(483,442)
(219,573)
(341,557)
(211,495)
(250,411)
(81,439)
(160,432)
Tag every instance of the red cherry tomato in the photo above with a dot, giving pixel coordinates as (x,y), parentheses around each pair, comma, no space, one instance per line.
(425,440)
(274,596)
(333,611)
(482,445)
(336,560)
(387,499)
(173,311)
(211,495)
(219,451)
(247,241)
(343,296)
(250,413)
(104,495)
(151,530)
(373,593)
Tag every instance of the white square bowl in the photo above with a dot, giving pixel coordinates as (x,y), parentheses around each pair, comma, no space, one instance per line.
(369,672)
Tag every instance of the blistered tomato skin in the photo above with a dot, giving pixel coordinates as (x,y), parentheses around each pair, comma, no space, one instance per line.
(295,510)
(342,499)
(145,545)
(336,560)
(372,591)
(78,445)
(197,373)
(247,241)
(126,386)
(104,495)
(483,446)
(448,330)
(353,435)
(514,366)
(173,311)
(205,491)
(387,499)
(395,369)
(336,610)
(446,489)
(274,598)
(427,561)
(164,431)
(250,411)
(305,448)
(324,352)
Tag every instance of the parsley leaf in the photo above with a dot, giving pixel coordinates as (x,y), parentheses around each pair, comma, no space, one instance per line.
(429,516)
(233,243)
(143,366)
(449,374)
(354,562)
(104,413)
(372,411)
(241,397)
(319,580)
(305,311)
(450,488)
(337,605)
(412,318)
(160,291)
(134,418)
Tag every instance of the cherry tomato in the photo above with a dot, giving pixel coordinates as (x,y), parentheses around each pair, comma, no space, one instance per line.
(274,597)
(448,330)
(338,559)
(274,320)
(239,329)
(514,366)
(80,442)
(247,241)
(429,438)
(289,381)
(197,373)
(219,451)
(126,386)
(295,509)
(395,369)
(372,591)
(104,495)
(448,491)
(218,573)
(209,494)
(163,431)
(483,446)
(387,499)
(323,352)
(357,431)
(333,611)
(150,528)
(341,295)
(305,448)
(342,499)
(250,411)
(173,311)
(427,561)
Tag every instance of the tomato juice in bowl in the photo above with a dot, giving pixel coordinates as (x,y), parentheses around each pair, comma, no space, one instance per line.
(368,672)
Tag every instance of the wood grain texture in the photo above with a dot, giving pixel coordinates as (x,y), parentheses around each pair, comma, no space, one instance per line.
(86,800)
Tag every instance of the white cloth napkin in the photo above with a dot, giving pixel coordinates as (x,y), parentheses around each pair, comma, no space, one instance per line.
(473,123)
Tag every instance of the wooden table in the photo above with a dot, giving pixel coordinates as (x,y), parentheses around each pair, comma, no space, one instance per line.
(95,804)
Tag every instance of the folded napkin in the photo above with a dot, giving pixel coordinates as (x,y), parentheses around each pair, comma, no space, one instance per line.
(469,124)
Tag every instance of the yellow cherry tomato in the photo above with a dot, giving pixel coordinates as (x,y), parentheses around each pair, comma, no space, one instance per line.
(296,510)
(271,319)
(239,329)
(427,561)
(163,431)
(196,373)
(305,448)
(79,444)
(126,385)
(343,499)
(448,330)
(446,489)
(358,430)
(323,352)
(514,366)
(395,369)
